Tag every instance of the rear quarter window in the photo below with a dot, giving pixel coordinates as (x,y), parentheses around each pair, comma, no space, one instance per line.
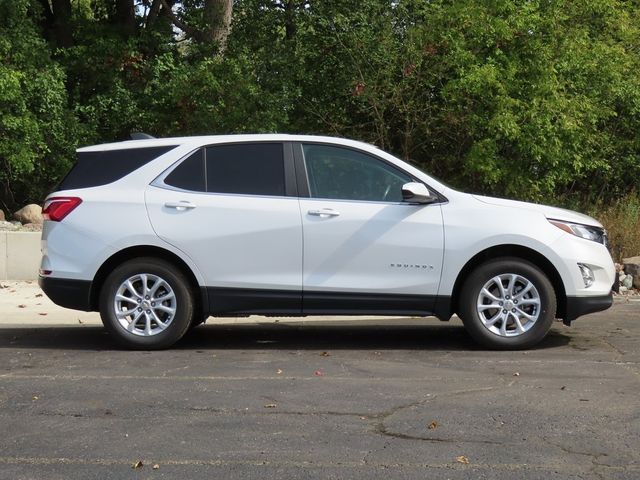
(190,174)
(93,169)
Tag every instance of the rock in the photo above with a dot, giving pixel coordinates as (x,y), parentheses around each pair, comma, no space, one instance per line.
(7,226)
(627,281)
(2,217)
(632,267)
(32,227)
(619,277)
(32,213)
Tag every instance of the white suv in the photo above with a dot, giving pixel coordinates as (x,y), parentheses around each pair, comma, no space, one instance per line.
(158,234)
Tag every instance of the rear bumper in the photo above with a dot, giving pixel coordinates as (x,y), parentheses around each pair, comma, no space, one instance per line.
(68,293)
(579,306)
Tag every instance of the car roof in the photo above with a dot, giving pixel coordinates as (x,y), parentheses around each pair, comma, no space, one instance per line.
(197,141)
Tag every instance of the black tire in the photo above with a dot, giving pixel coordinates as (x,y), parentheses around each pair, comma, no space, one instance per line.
(514,336)
(183,305)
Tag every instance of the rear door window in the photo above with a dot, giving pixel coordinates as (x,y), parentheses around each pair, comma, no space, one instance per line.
(246,168)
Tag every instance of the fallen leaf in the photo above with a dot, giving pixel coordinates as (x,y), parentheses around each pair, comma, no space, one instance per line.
(517,374)
(138,464)
(42,313)
(270,405)
(563,387)
(325,354)
(155,466)
(279,372)
(462,459)
(22,305)
(35,397)
(433,425)
(38,295)
(319,373)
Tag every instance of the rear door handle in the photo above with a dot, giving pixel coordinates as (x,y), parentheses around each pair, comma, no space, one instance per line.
(183,205)
(325,212)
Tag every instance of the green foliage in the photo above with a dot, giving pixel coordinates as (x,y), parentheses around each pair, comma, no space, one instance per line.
(529,99)
(37,131)
(532,100)
(234,100)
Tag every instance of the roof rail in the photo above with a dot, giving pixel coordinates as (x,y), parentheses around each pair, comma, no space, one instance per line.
(140,136)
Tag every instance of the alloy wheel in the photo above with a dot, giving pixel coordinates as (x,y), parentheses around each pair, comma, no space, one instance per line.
(145,304)
(508,305)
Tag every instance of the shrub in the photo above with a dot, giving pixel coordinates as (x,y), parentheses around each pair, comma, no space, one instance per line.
(622,221)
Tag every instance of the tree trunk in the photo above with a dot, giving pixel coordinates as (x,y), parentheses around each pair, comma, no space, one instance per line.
(61,26)
(289,19)
(125,17)
(217,15)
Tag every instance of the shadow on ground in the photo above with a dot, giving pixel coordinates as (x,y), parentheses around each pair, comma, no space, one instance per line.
(269,337)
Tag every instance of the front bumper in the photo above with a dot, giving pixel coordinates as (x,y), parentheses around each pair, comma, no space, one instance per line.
(579,306)
(68,293)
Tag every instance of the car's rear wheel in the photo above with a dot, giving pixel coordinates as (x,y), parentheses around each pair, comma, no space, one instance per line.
(146,303)
(507,303)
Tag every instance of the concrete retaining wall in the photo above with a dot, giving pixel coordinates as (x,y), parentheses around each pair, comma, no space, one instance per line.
(19,255)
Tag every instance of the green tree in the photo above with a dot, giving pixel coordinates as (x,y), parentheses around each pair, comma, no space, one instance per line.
(519,98)
(37,130)
(538,100)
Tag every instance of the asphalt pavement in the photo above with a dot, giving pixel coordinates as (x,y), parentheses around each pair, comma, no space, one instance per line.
(288,399)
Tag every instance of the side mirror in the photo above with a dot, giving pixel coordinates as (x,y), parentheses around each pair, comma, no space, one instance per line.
(417,193)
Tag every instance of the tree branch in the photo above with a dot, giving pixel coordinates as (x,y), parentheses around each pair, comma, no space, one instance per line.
(154,10)
(48,13)
(192,32)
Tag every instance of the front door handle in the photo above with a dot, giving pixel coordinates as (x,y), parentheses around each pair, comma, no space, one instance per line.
(183,205)
(325,212)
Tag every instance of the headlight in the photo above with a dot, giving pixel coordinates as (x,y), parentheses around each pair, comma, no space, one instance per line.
(587,232)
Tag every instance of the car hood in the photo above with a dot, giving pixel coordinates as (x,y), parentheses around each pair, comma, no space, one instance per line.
(548,211)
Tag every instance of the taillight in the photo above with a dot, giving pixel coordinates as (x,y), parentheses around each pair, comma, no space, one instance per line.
(56,208)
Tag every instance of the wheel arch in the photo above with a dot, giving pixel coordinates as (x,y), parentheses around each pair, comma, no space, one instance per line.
(518,251)
(144,251)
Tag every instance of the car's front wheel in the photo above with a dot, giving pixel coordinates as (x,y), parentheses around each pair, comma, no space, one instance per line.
(507,303)
(146,303)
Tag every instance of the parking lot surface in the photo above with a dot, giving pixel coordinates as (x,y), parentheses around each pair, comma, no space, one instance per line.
(289,399)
